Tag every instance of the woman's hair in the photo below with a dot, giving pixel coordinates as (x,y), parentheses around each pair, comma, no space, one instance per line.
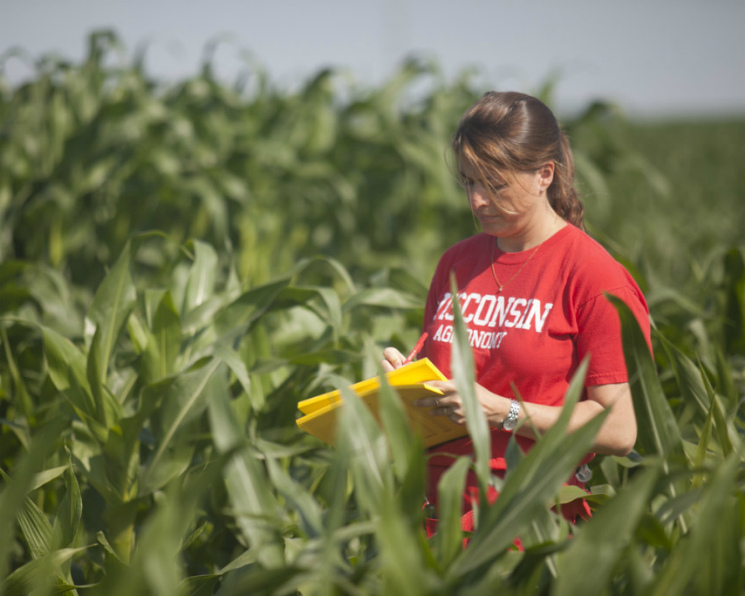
(509,132)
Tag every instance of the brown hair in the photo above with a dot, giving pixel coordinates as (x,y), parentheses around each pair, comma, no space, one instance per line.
(508,132)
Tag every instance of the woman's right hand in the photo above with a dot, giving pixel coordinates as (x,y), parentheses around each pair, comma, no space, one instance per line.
(392,359)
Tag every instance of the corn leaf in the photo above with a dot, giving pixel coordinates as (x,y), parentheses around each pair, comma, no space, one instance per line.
(532,485)
(463,372)
(164,343)
(184,398)
(40,573)
(360,436)
(65,361)
(111,306)
(254,506)
(604,539)
(70,511)
(449,537)
(658,431)
(13,496)
(708,561)
(201,281)
(36,529)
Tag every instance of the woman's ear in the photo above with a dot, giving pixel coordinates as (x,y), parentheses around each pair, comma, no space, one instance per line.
(546,175)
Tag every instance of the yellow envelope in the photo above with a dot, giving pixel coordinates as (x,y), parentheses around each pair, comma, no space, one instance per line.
(410,383)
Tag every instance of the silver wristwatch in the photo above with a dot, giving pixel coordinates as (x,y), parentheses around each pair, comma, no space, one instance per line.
(510,422)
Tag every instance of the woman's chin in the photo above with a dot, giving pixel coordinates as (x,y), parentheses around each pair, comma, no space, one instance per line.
(492,225)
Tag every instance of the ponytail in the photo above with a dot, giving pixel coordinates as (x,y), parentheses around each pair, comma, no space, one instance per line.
(561,194)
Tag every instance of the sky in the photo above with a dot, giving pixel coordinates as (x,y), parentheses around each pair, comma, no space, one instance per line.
(655,58)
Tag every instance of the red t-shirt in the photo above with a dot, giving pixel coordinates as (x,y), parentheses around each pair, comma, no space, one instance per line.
(533,334)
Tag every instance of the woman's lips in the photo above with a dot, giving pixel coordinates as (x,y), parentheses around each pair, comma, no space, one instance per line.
(487,216)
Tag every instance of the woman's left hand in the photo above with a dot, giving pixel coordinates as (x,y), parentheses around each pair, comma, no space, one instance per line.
(450,403)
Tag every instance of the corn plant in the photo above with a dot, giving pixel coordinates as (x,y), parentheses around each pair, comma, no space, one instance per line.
(162,456)
(181,264)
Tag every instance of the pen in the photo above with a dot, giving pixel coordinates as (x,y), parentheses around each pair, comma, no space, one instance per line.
(417,347)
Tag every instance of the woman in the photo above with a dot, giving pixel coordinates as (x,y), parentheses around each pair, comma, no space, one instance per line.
(531,290)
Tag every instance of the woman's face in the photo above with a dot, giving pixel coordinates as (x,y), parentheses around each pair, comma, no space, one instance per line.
(505,205)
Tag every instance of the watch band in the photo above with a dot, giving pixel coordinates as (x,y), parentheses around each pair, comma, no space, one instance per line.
(510,422)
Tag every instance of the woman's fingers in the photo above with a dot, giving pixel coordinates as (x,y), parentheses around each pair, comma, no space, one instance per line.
(448,404)
(435,401)
(392,359)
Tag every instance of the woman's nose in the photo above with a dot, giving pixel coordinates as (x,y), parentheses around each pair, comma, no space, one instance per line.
(478,196)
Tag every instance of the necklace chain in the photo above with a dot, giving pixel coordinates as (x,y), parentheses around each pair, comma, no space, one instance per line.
(494,273)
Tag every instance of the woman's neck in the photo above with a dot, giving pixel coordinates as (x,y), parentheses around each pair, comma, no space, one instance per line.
(540,230)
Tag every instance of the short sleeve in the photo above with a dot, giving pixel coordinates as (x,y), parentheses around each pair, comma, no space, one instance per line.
(599,335)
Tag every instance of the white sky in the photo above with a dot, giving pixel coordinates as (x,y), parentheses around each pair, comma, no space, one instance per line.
(654,57)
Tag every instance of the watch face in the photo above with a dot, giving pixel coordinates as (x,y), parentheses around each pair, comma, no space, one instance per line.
(509,424)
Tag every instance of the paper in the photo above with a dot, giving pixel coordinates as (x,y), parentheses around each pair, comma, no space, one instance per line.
(410,383)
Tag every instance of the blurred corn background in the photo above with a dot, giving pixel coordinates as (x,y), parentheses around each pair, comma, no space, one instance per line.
(180,264)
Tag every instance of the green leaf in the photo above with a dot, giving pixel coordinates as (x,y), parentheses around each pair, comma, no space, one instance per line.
(108,410)
(182,399)
(36,529)
(13,497)
(734,309)
(382,297)
(729,439)
(112,304)
(233,361)
(240,315)
(254,505)
(255,508)
(164,343)
(70,511)
(463,372)
(67,369)
(258,580)
(658,431)
(709,560)
(46,476)
(22,396)
(402,562)
(449,537)
(327,307)
(530,487)
(396,424)
(201,281)
(603,540)
(199,585)
(725,383)
(298,498)
(226,433)
(406,451)
(689,377)
(43,572)
(359,435)
(703,448)
(155,567)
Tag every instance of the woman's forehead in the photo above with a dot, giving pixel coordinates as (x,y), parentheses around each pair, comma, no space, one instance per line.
(477,171)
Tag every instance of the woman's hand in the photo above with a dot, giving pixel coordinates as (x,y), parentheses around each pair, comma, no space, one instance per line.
(450,403)
(392,359)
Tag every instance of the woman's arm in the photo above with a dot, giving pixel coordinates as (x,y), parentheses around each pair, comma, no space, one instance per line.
(616,436)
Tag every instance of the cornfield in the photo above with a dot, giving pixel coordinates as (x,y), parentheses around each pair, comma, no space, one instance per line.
(181,264)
